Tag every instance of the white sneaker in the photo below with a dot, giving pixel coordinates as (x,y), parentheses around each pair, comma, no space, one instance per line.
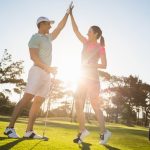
(81,136)
(105,137)
(32,135)
(11,133)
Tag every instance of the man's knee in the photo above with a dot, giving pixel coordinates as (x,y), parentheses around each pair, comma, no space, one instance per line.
(27,97)
(38,100)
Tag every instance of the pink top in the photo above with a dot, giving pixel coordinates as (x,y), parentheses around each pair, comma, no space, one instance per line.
(91,46)
(91,54)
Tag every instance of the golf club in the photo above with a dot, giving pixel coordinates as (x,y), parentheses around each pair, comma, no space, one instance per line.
(149,132)
(48,106)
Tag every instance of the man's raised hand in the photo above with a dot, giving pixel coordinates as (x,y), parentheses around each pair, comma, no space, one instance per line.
(71,6)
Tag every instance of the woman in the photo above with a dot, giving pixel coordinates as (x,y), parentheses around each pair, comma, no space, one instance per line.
(89,85)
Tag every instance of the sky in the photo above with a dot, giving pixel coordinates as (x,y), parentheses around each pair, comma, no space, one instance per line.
(125,25)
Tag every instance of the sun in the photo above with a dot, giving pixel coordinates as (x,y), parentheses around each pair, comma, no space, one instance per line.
(69,73)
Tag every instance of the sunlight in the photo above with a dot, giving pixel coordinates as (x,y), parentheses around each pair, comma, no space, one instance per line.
(69,74)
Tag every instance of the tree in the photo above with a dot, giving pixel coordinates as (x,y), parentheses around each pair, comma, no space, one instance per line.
(6,106)
(10,73)
(146,103)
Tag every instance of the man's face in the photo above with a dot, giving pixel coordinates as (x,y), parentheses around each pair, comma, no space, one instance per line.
(46,26)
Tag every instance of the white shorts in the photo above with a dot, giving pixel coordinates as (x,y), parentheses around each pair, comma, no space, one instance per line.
(38,83)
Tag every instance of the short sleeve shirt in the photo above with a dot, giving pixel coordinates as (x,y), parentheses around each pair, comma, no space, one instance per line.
(44,45)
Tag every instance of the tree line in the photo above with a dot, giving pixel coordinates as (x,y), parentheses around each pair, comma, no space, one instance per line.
(123,99)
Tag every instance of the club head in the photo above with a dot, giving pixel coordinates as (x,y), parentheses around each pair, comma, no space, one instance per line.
(45,138)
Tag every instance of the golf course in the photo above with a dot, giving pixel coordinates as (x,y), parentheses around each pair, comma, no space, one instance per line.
(61,132)
(74,75)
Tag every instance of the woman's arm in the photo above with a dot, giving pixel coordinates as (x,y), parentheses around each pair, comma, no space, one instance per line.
(103,64)
(75,28)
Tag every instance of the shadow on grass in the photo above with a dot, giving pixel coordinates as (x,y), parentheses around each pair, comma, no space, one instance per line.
(136,132)
(114,129)
(5,119)
(35,145)
(85,146)
(10,144)
(4,138)
(56,124)
(110,147)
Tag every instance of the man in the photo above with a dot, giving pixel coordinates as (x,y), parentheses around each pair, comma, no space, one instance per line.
(40,47)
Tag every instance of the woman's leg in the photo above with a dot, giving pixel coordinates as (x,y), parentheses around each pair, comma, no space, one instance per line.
(79,104)
(99,114)
(93,91)
(95,102)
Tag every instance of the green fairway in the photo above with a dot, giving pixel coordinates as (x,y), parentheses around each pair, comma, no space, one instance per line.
(61,133)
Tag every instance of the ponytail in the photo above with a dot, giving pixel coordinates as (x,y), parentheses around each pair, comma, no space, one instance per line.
(97,30)
(102,41)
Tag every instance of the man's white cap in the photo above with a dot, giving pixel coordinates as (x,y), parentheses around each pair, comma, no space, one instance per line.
(41,19)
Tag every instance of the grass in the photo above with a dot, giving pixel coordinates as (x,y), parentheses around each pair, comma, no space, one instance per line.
(61,133)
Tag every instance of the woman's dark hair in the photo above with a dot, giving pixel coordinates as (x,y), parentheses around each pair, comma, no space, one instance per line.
(97,30)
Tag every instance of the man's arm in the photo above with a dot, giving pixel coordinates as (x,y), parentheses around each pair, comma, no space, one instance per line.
(60,26)
(37,61)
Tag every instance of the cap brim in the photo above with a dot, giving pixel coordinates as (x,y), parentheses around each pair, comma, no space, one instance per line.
(52,21)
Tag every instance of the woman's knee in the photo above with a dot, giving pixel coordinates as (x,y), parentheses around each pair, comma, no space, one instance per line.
(95,103)
(79,106)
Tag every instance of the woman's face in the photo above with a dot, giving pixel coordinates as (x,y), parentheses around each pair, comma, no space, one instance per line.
(92,35)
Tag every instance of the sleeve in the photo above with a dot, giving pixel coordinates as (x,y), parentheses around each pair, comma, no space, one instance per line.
(34,42)
(50,37)
(85,41)
(102,50)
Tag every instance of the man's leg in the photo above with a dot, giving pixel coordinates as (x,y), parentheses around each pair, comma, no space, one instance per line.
(34,111)
(22,103)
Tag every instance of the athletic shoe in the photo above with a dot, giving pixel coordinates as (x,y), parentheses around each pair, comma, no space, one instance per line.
(105,137)
(11,133)
(32,135)
(81,136)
